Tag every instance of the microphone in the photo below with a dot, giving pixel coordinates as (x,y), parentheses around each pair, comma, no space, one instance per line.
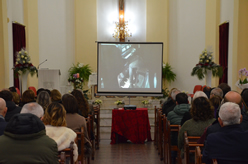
(41,63)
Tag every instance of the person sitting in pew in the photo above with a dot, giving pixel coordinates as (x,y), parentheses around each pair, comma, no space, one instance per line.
(228,144)
(171,101)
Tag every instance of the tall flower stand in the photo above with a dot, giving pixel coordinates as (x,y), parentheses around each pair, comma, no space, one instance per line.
(23,78)
(208,78)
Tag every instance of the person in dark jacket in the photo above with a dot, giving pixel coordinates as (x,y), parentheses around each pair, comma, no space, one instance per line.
(12,108)
(170,104)
(25,141)
(3,110)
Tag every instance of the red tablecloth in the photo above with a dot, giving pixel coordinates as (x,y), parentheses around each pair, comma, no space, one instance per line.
(130,125)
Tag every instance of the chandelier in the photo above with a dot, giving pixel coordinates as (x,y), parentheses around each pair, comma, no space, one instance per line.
(121,30)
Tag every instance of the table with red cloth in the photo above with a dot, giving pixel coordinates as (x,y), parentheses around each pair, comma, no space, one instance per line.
(130,125)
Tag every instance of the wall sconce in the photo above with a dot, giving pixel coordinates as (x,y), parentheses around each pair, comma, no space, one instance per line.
(121,30)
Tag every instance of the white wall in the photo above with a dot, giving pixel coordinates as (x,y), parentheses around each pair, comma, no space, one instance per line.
(56,35)
(186,40)
(15,13)
(226,14)
(108,13)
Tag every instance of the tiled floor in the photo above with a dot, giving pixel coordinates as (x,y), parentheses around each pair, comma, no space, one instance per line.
(125,153)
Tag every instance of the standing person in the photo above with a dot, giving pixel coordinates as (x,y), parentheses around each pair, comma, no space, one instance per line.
(12,108)
(228,145)
(3,111)
(25,141)
(75,121)
(54,119)
(83,105)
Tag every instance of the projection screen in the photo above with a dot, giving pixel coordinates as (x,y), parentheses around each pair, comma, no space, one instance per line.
(129,68)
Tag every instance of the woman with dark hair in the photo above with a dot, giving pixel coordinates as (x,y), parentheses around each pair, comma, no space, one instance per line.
(55,96)
(202,113)
(55,123)
(27,97)
(43,99)
(75,121)
(83,104)
(215,102)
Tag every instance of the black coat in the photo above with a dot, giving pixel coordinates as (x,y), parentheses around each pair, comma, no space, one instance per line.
(12,110)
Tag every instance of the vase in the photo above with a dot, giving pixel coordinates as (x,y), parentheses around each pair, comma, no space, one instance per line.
(241,86)
(23,78)
(208,78)
(120,106)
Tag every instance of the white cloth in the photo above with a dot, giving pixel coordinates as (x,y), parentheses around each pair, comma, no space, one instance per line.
(63,136)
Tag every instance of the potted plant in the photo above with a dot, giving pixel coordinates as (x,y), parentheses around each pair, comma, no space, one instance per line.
(78,74)
(242,83)
(97,102)
(167,73)
(145,103)
(119,103)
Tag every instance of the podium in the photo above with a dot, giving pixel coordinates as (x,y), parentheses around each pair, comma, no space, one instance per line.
(49,79)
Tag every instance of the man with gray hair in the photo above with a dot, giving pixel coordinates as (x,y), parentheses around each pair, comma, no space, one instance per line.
(227,145)
(33,108)
(3,111)
(171,102)
(216,92)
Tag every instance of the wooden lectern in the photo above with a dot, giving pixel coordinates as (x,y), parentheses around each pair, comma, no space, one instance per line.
(49,79)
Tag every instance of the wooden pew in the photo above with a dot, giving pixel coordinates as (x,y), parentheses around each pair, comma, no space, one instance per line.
(167,141)
(67,152)
(97,121)
(198,155)
(91,134)
(160,134)
(156,126)
(190,143)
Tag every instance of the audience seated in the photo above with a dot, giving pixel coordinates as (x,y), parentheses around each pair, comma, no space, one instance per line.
(33,108)
(12,108)
(202,116)
(225,88)
(75,121)
(176,115)
(12,89)
(43,99)
(54,119)
(40,90)
(171,101)
(84,108)
(216,92)
(187,115)
(207,91)
(16,98)
(244,95)
(215,102)
(3,111)
(27,97)
(55,96)
(228,145)
(25,141)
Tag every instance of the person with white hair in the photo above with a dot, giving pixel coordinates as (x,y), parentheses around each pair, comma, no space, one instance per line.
(33,108)
(170,104)
(228,144)
(216,92)
(3,111)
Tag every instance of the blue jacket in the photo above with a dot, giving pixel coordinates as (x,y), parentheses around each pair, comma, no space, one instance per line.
(176,115)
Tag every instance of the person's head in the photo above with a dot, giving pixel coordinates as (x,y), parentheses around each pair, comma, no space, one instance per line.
(16,98)
(207,90)
(43,99)
(225,88)
(174,93)
(229,114)
(235,97)
(6,95)
(199,94)
(3,108)
(216,92)
(182,98)
(201,109)
(55,95)
(28,96)
(55,115)
(40,90)
(215,101)
(82,102)
(33,108)
(12,89)
(70,103)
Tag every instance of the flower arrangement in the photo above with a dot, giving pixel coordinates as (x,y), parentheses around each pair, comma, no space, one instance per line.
(242,82)
(23,63)
(206,63)
(167,73)
(145,102)
(78,74)
(119,102)
(97,101)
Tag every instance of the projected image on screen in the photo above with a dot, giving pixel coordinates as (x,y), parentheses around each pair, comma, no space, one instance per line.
(129,67)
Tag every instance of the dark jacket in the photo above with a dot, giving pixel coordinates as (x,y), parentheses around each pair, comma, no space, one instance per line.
(25,141)
(12,110)
(228,145)
(3,124)
(176,115)
(168,106)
